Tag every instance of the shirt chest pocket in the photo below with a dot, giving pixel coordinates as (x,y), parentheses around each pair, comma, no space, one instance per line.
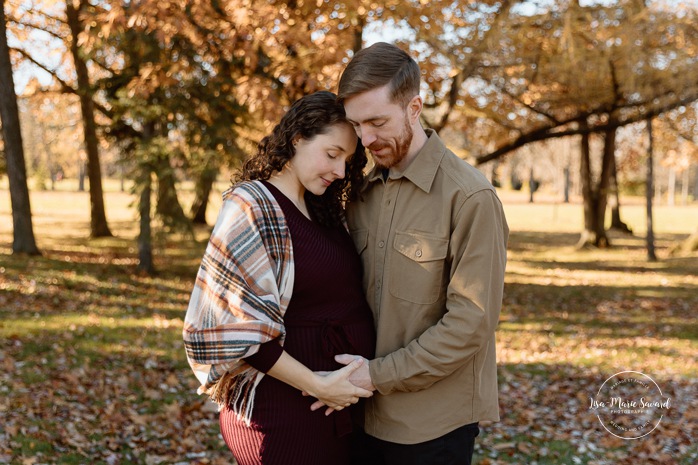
(417,267)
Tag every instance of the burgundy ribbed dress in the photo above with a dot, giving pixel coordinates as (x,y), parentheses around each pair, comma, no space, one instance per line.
(327,315)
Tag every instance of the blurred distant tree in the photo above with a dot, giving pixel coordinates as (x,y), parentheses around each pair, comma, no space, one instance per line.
(202,190)
(588,69)
(52,130)
(217,76)
(649,238)
(679,143)
(171,87)
(614,191)
(571,62)
(23,231)
(75,12)
(64,23)
(291,49)
(684,122)
(456,43)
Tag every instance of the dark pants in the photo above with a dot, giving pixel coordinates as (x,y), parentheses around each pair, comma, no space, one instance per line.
(454,448)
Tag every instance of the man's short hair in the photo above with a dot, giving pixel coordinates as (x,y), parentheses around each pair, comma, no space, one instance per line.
(379,65)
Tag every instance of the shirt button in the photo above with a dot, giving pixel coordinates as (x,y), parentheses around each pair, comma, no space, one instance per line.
(418,253)
(381,244)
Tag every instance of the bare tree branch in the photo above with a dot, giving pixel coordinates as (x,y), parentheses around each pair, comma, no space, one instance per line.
(467,69)
(532,108)
(552,132)
(53,34)
(679,132)
(65,87)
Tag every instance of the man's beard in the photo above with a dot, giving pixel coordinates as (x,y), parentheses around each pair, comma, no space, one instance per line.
(399,153)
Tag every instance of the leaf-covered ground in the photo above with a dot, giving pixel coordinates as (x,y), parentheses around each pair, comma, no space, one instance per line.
(92,369)
(571,320)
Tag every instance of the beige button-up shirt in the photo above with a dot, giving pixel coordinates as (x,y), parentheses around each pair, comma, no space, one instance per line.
(433,245)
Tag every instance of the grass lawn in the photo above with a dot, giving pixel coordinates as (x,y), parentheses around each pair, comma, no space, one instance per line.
(92,369)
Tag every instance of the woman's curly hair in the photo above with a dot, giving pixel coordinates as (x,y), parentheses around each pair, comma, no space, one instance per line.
(308,117)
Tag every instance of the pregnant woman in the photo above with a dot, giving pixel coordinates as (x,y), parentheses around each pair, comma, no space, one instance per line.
(278,294)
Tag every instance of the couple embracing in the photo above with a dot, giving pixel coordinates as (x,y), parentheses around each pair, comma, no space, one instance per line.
(346,318)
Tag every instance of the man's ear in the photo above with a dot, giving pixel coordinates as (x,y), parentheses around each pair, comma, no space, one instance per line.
(414,108)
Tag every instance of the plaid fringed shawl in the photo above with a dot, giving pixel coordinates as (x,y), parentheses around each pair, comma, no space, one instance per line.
(242,290)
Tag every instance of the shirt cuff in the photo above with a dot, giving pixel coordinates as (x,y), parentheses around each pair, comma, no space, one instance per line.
(383,379)
(266,356)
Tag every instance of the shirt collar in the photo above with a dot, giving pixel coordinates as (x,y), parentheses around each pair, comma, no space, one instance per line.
(422,171)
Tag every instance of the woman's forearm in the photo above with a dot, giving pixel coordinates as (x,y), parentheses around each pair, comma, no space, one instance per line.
(292,372)
(334,389)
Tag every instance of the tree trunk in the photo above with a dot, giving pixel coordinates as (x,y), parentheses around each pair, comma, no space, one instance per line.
(609,153)
(671,187)
(204,185)
(81,175)
(588,235)
(657,186)
(50,157)
(616,223)
(566,188)
(23,230)
(168,206)
(594,233)
(98,219)
(595,197)
(494,174)
(651,254)
(358,23)
(145,237)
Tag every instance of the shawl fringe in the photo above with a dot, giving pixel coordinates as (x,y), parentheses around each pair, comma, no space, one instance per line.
(236,391)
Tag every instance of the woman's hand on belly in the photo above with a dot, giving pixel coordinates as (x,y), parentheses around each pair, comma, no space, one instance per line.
(333,389)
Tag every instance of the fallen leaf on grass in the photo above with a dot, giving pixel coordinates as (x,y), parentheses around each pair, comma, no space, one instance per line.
(525,447)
